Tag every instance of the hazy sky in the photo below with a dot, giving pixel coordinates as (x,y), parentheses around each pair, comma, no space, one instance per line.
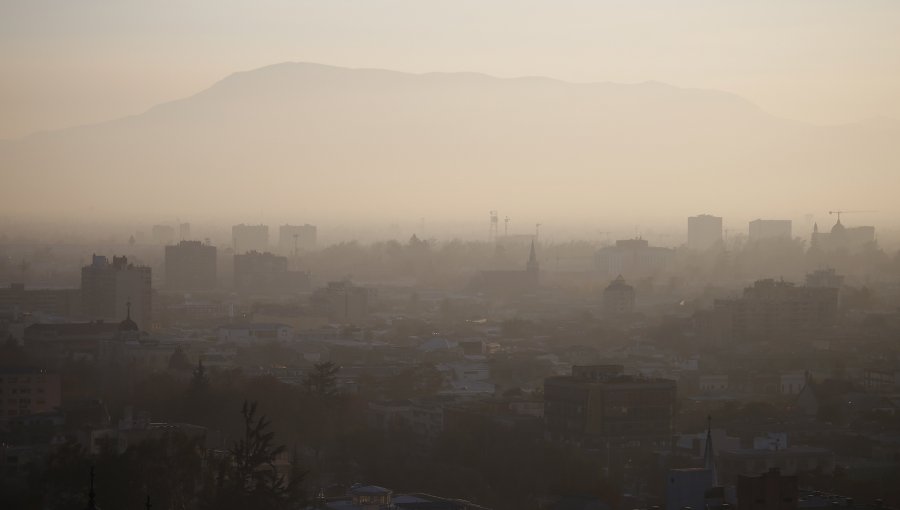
(66,62)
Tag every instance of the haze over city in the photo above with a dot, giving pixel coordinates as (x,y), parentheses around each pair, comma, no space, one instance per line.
(397,254)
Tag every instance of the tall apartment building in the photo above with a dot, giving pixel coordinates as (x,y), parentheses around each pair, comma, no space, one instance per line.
(704,231)
(247,238)
(599,406)
(294,239)
(190,265)
(108,287)
(633,258)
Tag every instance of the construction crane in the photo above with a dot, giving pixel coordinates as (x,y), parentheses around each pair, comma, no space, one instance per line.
(839,213)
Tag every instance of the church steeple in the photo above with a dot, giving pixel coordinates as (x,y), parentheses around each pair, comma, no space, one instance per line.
(128,324)
(92,504)
(709,455)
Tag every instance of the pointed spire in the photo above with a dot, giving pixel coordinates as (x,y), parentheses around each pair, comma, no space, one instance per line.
(92,504)
(709,455)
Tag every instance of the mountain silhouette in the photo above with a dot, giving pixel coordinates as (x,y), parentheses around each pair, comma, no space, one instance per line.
(383,143)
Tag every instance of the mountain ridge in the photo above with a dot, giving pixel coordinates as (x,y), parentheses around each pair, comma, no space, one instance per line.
(314,134)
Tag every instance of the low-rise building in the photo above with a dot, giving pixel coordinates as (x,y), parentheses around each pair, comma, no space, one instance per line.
(599,404)
(27,391)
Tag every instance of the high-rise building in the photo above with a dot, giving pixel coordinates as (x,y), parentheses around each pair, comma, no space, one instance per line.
(266,273)
(633,258)
(761,230)
(163,234)
(184,231)
(190,265)
(107,289)
(599,406)
(247,238)
(294,239)
(704,231)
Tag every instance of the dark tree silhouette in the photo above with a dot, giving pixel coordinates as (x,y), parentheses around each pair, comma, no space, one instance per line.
(322,381)
(252,479)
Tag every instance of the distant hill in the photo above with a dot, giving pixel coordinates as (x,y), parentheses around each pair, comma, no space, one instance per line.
(381,143)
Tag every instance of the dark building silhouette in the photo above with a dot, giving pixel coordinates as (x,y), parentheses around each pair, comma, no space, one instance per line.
(704,232)
(510,282)
(71,341)
(266,273)
(598,406)
(27,391)
(618,297)
(825,278)
(772,309)
(18,300)
(841,238)
(342,302)
(694,487)
(294,239)
(190,265)
(633,258)
(768,491)
(107,288)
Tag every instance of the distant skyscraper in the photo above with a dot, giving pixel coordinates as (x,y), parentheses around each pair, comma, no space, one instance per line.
(769,229)
(107,289)
(184,231)
(633,258)
(294,239)
(191,265)
(247,238)
(704,231)
(163,234)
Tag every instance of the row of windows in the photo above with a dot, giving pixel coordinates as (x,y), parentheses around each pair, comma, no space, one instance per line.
(14,391)
(17,379)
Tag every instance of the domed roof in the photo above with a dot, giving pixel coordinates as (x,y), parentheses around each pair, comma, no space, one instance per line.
(128,324)
(837,226)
